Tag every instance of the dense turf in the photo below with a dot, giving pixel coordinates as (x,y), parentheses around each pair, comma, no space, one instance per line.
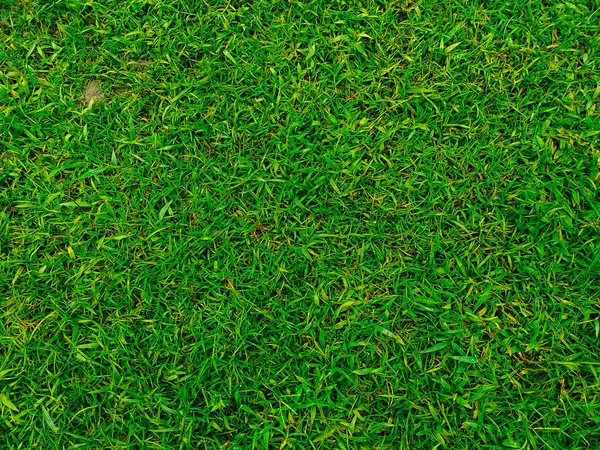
(331,224)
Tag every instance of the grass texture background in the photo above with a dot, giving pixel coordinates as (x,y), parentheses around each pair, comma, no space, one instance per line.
(299,224)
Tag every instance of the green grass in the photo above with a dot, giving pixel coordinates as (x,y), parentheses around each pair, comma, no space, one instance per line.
(314,225)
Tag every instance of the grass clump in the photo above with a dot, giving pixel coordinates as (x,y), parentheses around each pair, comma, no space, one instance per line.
(347,225)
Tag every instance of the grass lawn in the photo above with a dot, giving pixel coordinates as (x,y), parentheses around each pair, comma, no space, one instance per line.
(299,224)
